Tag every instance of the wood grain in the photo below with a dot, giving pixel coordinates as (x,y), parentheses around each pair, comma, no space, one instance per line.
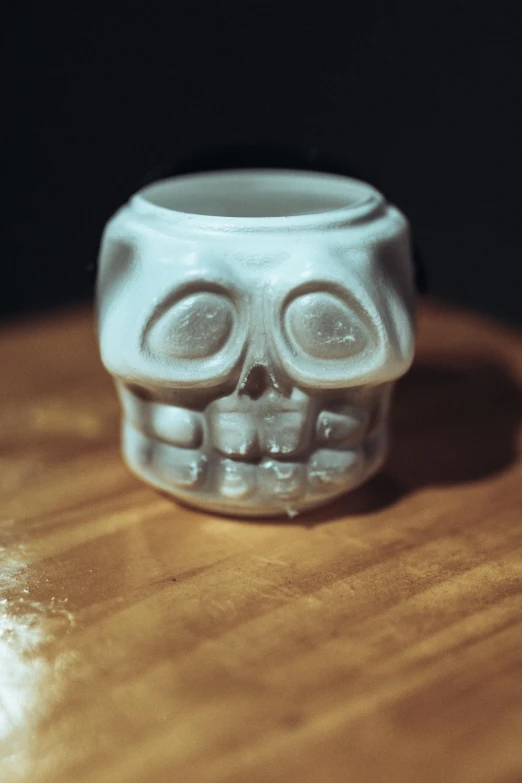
(377,640)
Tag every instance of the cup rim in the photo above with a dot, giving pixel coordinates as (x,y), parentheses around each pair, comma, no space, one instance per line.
(346,200)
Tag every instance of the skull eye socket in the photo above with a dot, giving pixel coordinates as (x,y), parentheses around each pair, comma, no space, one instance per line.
(195,327)
(324,327)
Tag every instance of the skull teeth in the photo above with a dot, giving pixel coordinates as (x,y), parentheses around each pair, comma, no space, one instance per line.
(281,433)
(174,425)
(255,450)
(335,428)
(283,480)
(237,480)
(183,468)
(235,434)
(328,470)
(334,470)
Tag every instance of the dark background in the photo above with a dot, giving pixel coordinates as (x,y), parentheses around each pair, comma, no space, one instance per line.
(423,100)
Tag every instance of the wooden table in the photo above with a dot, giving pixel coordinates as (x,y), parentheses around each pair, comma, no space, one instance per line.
(377,640)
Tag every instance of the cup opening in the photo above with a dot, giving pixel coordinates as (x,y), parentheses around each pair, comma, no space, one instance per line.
(258,193)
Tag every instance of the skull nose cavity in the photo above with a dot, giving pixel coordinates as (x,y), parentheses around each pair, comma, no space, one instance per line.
(255,383)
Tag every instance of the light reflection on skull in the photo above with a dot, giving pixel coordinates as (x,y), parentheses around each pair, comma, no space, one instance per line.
(255,366)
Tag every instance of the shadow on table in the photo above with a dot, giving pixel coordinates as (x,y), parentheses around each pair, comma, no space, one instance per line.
(452,423)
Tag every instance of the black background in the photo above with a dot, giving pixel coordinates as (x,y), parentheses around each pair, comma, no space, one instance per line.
(423,100)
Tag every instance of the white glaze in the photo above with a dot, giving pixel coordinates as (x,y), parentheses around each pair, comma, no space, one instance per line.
(254,348)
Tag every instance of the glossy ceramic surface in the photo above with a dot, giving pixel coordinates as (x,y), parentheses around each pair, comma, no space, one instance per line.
(254,322)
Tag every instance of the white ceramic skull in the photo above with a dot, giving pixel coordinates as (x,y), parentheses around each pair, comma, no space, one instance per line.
(254,322)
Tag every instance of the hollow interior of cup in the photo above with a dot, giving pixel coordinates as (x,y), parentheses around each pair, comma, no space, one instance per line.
(257,193)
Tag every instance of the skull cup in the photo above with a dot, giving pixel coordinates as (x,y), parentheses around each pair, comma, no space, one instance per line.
(255,322)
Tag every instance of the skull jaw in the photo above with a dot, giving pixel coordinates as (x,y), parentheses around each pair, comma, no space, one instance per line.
(193,478)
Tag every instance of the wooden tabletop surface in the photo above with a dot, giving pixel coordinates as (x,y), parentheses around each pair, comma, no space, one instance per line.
(377,640)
